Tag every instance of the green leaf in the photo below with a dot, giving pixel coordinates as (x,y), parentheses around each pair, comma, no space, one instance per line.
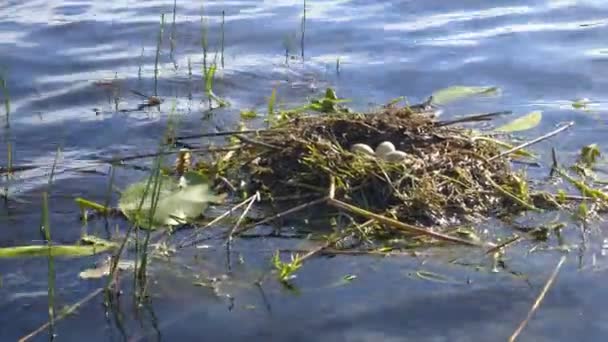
(55,250)
(580,103)
(209,79)
(454,93)
(249,114)
(178,202)
(523,123)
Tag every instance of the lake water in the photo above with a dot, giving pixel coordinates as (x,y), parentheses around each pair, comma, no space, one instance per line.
(70,66)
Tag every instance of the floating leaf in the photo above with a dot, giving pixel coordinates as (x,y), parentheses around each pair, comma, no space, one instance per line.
(580,104)
(104,269)
(454,93)
(523,123)
(431,276)
(56,250)
(249,114)
(177,203)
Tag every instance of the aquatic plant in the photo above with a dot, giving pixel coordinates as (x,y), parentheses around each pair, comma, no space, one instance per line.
(286,270)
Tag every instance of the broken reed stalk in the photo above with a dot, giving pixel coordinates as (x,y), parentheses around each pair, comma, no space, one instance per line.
(400,226)
(328,244)
(282,214)
(223,133)
(256,142)
(64,313)
(503,245)
(251,200)
(533,141)
(229,239)
(190,240)
(118,160)
(539,299)
(472,118)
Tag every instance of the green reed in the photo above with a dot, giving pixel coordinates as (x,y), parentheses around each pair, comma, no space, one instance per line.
(303,28)
(6,99)
(159,44)
(204,41)
(172,37)
(222,41)
(45,230)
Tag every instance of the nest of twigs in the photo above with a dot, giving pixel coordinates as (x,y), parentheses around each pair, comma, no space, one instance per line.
(446,176)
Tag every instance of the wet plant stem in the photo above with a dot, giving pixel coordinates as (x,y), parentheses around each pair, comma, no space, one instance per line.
(158,49)
(532,142)
(7,100)
(303,29)
(539,299)
(222,42)
(400,226)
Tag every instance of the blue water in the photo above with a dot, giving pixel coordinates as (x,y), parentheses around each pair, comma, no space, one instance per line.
(70,64)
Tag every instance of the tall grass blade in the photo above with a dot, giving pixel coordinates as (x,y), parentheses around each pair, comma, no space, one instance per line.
(204,42)
(303,29)
(9,168)
(173,35)
(271,103)
(223,38)
(45,229)
(159,44)
(6,98)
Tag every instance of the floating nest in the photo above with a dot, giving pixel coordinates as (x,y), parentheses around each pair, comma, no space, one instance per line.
(441,175)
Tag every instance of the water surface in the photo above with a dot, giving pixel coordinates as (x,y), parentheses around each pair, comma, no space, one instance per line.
(70,66)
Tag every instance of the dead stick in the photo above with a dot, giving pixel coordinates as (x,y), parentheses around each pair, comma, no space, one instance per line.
(538,300)
(399,225)
(156,154)
(256,142)
(63,314)
(252,200)
(504,244)
(187,242)
(282,214)
(472,118)
(532,142)
(223,133)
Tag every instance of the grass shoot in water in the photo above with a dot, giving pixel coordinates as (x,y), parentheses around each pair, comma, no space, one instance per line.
(6,99)
(173,37)
(223,38)
(9,168)
(158,48)
(45,230)
(303,28)
(141,61)
(204,42)
(271,103)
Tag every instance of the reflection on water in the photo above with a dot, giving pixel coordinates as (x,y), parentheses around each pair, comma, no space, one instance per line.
(71,67)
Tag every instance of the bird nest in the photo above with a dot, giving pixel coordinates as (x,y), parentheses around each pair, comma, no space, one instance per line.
(402,164)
